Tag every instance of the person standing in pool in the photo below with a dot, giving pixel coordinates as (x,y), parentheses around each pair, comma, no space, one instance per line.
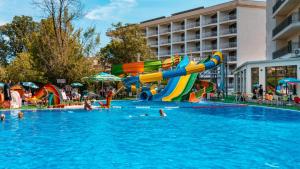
(2,117)
(162,113)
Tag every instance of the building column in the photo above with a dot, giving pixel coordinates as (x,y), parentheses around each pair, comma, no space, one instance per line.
(158,41)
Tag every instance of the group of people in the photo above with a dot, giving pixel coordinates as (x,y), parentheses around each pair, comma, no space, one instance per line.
(20,116)
(258,92)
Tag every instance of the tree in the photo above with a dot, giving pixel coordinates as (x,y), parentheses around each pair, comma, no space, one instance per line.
(58,49)
(15,36)
(127,43)
(22,69)
(3,75)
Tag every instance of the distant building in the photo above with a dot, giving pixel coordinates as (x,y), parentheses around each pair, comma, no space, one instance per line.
(237,28)
(283,49)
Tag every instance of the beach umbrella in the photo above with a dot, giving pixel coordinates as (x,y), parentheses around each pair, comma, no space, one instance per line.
(76,84)
(103,77)
(288,80)
(1,84)
(30,84)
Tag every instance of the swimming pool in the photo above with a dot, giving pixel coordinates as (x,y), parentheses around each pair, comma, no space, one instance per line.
(191,136)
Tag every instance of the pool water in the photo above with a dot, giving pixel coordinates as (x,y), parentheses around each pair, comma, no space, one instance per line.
(191,136)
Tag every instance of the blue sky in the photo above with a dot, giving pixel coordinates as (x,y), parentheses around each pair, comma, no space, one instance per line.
(102,13)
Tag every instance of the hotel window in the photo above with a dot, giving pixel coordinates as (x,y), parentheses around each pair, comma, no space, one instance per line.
(274,74)
(254,77)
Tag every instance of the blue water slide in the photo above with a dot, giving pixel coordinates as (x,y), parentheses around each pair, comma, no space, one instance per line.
(172,81)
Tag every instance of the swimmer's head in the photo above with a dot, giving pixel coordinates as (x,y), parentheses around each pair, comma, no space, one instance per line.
(20,115)
(162,113)
(2,117)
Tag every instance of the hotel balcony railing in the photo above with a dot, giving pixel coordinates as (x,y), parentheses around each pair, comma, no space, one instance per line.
(285,50)
(194,49)
(164,30)
(154,53)
(229,45)
(231,58)
(152,33)
(210,34)
(163,42)
(194,37)
(193,25)
(178,28)
(211,21)
(230,85)
(178,39)
(165,53)
(228,17)
(177,51)
(229,31)
(210,47)
(154,43)
(277,5)
(293,18)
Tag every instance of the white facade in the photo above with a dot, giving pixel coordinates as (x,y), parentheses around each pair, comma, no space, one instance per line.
(244,80)
(236,28)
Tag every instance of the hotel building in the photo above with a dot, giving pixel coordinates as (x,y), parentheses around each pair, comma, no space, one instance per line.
(283,50)
(237,28)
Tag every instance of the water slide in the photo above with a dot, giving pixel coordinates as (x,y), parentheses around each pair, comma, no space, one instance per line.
(141,67)
(182,71)
(50,91)
(188,86)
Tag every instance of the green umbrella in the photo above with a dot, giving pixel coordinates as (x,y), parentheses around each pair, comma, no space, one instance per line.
(103,77)
(76,84)
(1,84)
(30,84)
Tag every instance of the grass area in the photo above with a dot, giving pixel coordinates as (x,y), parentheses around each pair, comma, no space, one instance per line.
(231,99)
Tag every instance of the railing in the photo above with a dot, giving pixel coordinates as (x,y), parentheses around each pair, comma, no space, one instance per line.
(193,25)
(165,30)
(231,58)
(152,33)
(210,47)
(195,37)
(211,21)
(165,53)
(193,49)
(178,28)
(228,17)
(163,42)
(210,34)
(286,50)
(277,5)
(178,39)
(177,51)
(293,18)
(229,31)
(154,43)
(229,45)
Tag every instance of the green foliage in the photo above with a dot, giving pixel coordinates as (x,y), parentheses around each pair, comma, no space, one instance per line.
(3,75)
(15,37)
(127,43)
(22,69)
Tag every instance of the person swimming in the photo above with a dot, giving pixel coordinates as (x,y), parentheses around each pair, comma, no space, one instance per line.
(20,115)
(162,113)
(87,105)
(2,117)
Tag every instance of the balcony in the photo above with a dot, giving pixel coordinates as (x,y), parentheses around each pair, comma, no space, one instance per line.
(193,37)
(287,27)
(178,51)
(210,47)
(178,39)
(165,53)
(211,21)
(229,45)
(178,28)
(283,7)
(229,31)
(153,43)
(194,49)
(152,33)
(193,25)
(231,58)
(286,50)
(210,34)
(164,30)
(165,41)
(228,17)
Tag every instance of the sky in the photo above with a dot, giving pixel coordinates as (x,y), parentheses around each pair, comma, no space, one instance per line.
(102,13)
